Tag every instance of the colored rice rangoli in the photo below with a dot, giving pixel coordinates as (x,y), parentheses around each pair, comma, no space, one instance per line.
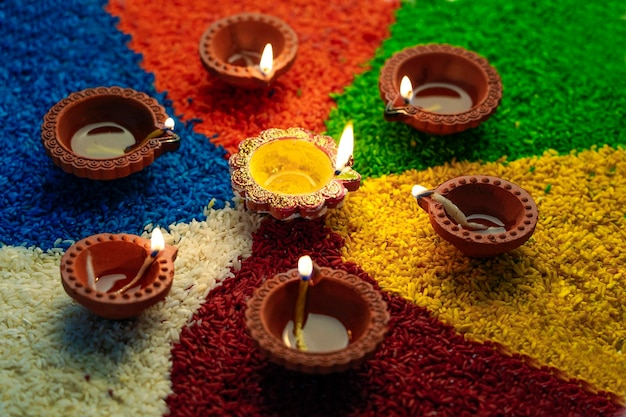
(537,330)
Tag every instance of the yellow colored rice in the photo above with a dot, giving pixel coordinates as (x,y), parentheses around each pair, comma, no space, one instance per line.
(560,298)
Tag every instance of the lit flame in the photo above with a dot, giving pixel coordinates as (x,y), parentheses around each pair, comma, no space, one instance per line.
(418,190)
(345,149)
(157,243)
(305,267)
(267,60)
(406,89)
(169,123)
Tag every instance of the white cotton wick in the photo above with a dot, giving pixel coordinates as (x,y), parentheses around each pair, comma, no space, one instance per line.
(499,225)
(453,211)
(91,276)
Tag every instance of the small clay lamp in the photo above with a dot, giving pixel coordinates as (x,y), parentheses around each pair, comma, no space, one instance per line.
(439,89)
(117,276)
(336,300)
(106,133)
(232,49)
(294,173)
(480,215)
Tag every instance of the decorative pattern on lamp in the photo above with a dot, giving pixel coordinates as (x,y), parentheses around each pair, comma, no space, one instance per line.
(289,173)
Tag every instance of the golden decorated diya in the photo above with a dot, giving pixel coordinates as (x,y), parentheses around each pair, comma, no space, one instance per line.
(292,173)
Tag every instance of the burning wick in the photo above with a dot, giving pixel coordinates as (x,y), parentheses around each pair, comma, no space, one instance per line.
(168,125)
(450,208)
(156,246)
(267,60)
(305,269)
(345,148)
(406,90)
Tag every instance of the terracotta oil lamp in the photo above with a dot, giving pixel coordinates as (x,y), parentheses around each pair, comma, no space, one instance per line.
(117,276)
(439,89)
(346,321)
(293,173)
(233,48)
(480,215)
(106,133)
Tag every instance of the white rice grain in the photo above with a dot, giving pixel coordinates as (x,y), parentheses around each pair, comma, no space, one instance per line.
(58,359)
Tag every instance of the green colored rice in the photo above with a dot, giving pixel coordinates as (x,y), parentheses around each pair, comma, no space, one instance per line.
(562,64)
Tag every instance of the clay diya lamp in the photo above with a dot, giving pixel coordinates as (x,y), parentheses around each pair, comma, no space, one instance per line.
(294,173)
(346,321)
(439,89)
(480,215)
(106,133)
(248,50)
(117,276)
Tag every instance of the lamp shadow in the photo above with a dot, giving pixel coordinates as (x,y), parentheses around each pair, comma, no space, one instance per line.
(95,346)
(317,395)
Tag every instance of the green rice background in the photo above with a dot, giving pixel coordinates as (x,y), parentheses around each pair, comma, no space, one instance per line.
(564,84)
